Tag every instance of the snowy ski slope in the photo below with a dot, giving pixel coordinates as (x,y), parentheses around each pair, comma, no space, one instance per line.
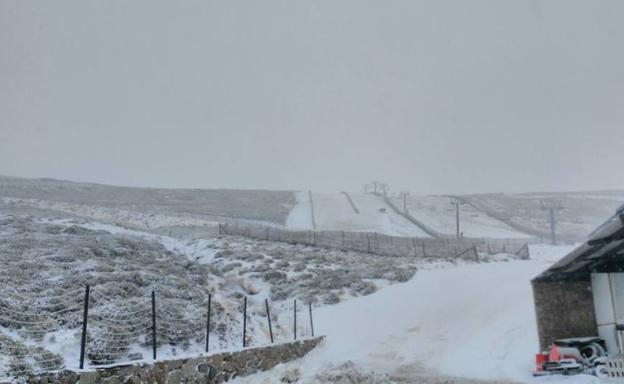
(439,214)
(332,211)
(581,211)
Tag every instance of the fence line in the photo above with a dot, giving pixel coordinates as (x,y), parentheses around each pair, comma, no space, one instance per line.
(111,329)
(384,245)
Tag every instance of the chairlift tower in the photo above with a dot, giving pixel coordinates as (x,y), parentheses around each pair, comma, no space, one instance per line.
(383,188)
(375,185)
(457,203)
(377,188)
(552,207)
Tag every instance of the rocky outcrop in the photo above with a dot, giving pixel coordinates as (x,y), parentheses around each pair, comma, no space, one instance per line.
(216,368)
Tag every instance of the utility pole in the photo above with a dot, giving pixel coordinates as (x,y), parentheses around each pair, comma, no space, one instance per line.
(457,219)
(552,207)
(457,203)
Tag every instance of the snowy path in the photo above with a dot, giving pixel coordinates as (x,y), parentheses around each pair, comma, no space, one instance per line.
(475,321)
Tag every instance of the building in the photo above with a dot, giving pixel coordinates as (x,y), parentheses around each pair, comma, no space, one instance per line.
(583,293)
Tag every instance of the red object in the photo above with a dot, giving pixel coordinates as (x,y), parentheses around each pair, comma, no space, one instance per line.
(554,353)
(540,359)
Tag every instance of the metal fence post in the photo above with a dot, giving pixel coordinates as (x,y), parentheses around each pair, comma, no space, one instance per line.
(83,339)
(295,319)
(244,322)
(154,324)
(311,322)
(266,303)
(208,323)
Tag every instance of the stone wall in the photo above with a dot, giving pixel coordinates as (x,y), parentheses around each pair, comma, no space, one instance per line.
(563,309)
(216,368)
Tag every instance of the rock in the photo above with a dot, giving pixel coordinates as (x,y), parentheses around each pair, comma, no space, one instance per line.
(70,378)
(88,377)
(174,377)
(217,360)
(189,369)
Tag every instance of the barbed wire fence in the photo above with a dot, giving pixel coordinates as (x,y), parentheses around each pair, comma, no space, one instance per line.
(106,331)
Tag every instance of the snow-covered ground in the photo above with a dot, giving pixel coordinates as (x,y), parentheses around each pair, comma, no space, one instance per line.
(185,211)
(332,211)
(471,321)
(580,212)
(128,218)
(439,213)
(300,216)
(58,256)
(450,319)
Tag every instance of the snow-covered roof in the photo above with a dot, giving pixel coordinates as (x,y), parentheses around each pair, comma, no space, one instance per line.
(603,252)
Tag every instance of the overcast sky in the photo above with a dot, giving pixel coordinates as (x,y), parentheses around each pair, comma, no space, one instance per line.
(429,96)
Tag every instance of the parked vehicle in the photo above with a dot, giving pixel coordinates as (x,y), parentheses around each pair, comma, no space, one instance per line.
(573,356)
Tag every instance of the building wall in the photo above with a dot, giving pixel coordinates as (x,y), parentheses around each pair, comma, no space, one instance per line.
(563,309)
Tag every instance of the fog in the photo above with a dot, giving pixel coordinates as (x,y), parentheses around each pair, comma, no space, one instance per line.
(428,96)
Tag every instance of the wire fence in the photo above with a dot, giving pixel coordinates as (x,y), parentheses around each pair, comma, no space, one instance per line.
(26,321)
(380,244)
(101,331)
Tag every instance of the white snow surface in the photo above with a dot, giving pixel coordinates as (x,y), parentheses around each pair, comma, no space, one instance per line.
(473,321)
(439,213)
(300,216)
(468,320)
(332,211)
(111,215)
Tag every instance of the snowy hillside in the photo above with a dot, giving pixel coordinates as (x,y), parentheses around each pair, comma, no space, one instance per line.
(515,216)
(47,263)
(439,214)
(200,204)
(186,211)
(402,318)
(333,211)
(580,213)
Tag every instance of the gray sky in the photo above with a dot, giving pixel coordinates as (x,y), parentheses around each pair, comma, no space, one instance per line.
(431,96)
